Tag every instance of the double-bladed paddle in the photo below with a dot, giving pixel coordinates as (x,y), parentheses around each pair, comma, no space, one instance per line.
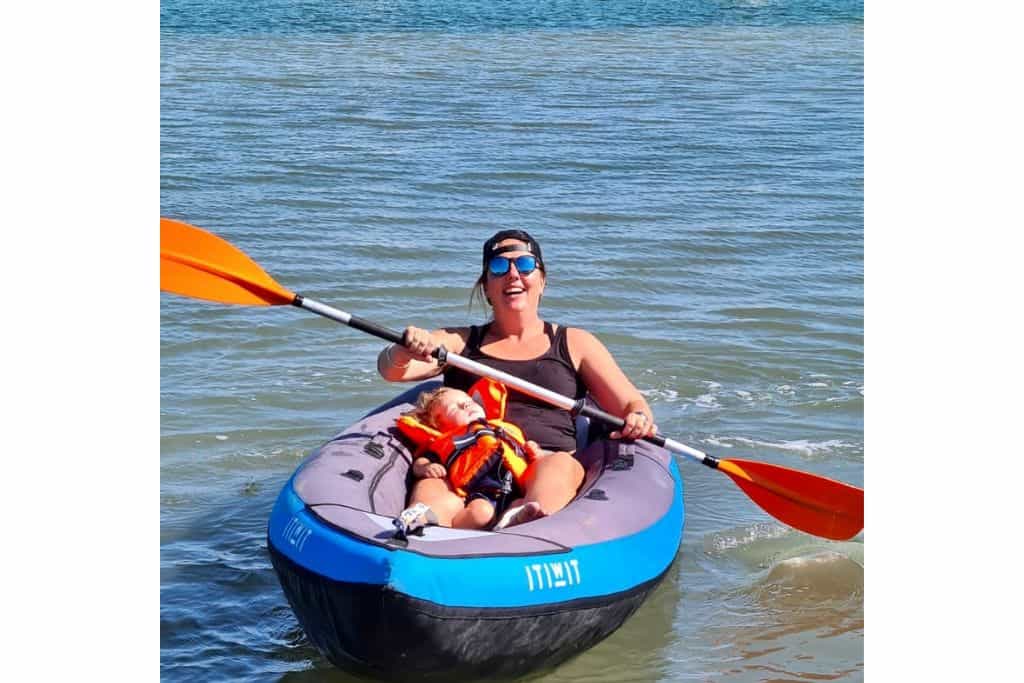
(197,263)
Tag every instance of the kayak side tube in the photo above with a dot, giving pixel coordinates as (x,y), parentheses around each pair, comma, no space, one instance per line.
(366,616)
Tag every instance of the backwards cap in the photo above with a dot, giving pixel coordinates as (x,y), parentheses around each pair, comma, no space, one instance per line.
(491,247)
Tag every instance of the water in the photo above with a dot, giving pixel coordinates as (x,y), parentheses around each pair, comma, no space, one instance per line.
(694,172)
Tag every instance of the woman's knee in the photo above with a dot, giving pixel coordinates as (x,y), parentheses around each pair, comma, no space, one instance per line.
(562,464)
(554,478)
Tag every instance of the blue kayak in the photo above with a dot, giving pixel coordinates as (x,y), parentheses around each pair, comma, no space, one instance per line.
(458,604)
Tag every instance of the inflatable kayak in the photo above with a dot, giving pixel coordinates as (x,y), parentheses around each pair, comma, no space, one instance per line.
(460,604)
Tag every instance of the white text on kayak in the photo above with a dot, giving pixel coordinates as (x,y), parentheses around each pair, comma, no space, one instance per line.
(546,575)
(296,533)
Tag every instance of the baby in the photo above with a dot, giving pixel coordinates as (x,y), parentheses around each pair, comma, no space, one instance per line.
(469,467)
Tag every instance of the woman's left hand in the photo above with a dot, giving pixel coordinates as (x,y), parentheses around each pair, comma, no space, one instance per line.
(639,423)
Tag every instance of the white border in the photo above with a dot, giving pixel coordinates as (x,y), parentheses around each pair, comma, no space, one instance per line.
(81,342)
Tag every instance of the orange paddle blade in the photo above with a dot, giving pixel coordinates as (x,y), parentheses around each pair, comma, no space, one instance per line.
(818,505)
(197,263)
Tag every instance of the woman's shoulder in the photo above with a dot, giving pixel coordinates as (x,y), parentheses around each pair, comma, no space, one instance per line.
(577,336)
(579,342)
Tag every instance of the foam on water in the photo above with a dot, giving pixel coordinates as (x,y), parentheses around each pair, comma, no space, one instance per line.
(804,447)
(660,395)
(720,542)
(707,401)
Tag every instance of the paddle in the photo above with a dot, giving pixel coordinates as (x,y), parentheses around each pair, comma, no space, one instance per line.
(198,264)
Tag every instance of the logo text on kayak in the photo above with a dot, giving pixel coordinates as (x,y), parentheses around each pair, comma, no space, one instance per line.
(546,575)
(296,533)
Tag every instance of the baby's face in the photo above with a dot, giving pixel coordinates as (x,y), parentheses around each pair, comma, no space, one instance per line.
(453,409)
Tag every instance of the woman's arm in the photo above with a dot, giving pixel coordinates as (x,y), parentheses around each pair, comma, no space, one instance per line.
(609,385)
(400,364)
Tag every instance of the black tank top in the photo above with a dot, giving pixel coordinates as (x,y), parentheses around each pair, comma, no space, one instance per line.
(552,428)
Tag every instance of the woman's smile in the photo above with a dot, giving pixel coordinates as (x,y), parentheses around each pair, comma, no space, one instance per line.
(514,290)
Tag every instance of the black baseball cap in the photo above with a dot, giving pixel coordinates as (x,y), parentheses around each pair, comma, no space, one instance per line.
(491,247)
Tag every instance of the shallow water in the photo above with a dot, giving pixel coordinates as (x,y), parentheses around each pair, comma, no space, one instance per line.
(694,173)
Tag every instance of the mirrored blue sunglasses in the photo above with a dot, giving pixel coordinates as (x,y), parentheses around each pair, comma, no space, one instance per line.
(499,265)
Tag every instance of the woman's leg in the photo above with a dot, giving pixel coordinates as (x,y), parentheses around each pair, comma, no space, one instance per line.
(552,481)
(435,494)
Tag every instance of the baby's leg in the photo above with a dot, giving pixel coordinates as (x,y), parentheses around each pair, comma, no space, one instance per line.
(435,494)
(477,514)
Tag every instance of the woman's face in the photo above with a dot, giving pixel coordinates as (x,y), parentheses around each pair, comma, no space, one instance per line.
(515,291)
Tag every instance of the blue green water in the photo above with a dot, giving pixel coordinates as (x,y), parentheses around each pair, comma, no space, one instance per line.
(694,171)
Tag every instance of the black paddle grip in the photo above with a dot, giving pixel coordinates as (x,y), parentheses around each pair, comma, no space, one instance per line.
(617,423)
(440,353)
(658,440)
(598,414)
(376,330)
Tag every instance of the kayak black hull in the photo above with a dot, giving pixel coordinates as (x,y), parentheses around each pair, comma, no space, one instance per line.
(374,631)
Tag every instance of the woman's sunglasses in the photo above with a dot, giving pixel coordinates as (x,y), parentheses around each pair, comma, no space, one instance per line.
(499,265)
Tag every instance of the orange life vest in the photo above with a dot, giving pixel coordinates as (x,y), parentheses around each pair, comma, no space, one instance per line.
(471,451)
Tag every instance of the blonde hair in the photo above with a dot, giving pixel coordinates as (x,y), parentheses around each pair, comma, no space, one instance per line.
(424,403)
(477,293)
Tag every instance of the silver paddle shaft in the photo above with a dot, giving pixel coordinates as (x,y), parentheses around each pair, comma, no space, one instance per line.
(577,406)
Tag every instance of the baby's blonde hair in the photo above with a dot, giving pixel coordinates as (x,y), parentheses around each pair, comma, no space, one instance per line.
(424,403)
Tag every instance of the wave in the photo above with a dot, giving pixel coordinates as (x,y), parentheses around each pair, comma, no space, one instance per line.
(803,447)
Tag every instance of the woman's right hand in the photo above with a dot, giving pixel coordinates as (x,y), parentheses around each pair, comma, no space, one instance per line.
(412,360)
(419,343)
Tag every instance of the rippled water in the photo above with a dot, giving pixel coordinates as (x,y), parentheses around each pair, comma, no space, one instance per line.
(694,172)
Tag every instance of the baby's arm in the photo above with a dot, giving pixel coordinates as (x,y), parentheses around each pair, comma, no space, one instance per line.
(425,468)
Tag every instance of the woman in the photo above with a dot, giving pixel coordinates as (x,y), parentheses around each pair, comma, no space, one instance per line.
(566,360)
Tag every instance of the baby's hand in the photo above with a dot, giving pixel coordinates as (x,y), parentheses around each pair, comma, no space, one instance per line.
(533,451)
(429,470)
